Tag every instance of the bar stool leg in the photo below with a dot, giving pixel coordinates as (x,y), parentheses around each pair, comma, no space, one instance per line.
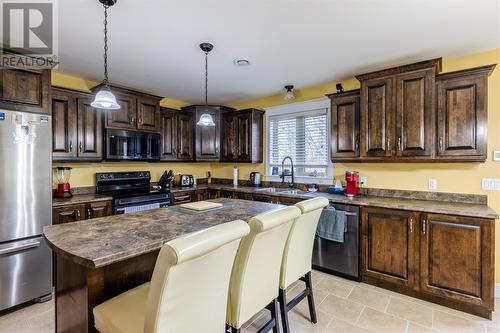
(284,310)
(310,298)
(274,315)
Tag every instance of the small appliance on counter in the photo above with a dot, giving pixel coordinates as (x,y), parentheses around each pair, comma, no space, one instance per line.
(352,183)
(183,180)
(63,188)
(255,178)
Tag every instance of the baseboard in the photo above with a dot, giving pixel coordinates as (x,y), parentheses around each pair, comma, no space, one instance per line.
(497,290)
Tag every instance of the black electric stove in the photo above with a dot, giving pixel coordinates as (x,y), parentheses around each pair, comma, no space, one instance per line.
(131,191)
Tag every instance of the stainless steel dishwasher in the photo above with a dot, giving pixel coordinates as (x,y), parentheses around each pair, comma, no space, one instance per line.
(340,258)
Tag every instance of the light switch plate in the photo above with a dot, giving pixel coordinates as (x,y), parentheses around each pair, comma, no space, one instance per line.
(490,184)
(496,155)
(433,184)
(362,181)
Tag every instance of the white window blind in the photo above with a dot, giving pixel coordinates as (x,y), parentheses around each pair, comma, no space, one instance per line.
(304,137)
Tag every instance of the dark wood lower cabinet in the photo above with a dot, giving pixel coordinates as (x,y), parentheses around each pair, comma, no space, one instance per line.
(444,259)
(182,197)
(389,245)
(78,212)
(457,259)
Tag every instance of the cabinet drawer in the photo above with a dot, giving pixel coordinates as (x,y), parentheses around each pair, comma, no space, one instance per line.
(98,209)
(70,213)
(182,197)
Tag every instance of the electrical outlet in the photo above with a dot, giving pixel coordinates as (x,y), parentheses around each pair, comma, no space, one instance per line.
(362,181)
(433,184)
(490,184)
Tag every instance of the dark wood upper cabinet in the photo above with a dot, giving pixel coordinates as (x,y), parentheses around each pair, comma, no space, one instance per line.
(90,133)
(177,132)
(462,114)
(138,110)
(377,117)
(415,113)
(242,136)
(389,245)
(345,126)
(64,125)
(25,90)
(148,114)
(77,129)
(457,258)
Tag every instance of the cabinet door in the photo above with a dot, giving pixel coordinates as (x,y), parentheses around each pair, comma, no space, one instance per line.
(244,137)
(182,197)
(98,209)
(229,132)
(377,113)
(201,195)
(389,246)
(462,117)
(185,136)
(64,127)
(25,90)
(66,214)
(125,117)
(208,137)
(168,131)
(415,116)
(345,127)
(90,133)
(148,114)
(457,258)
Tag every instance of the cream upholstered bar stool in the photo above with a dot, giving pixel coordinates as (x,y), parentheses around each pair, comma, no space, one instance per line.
(256,271)
(297,258)
(188,290)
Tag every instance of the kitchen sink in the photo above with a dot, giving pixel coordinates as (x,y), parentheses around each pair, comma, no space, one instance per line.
(280,190)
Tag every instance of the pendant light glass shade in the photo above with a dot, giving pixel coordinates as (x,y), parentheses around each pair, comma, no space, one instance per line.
(105,99)
(289,93)
(206,120)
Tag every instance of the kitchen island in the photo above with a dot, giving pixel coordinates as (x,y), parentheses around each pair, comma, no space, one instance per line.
(98,259)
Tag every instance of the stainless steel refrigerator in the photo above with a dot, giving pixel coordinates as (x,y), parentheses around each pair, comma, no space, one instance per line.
(25,207)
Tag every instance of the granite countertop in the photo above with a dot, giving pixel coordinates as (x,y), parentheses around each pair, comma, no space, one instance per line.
(103,241)
(418,205)
(79,199)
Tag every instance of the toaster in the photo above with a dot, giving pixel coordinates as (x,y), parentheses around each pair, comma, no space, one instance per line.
(183,180)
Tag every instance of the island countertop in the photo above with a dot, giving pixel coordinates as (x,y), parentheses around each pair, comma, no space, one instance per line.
(104,241)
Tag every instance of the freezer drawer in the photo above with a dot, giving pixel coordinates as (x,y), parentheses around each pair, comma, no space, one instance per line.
(25,271)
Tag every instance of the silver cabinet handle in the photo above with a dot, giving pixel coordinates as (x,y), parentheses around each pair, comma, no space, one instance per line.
(399,144)
(440,143)
(140,120)
(356,145)
(388,143)
(81,146)
(89,213)
(78,213)
(424,222)
(19,247)
(71,146)
(411,224)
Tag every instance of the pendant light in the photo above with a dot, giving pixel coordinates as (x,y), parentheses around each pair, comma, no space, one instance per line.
(105,99)
(206,118)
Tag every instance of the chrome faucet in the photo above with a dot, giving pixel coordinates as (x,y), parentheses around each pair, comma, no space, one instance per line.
(283,175)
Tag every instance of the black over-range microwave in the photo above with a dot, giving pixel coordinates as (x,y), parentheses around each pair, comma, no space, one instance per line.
(131,145)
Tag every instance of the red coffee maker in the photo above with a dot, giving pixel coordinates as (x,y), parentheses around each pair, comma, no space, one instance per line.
(63,187)
(352,183)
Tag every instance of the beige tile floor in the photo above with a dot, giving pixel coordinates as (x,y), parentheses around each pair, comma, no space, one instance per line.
(342,306)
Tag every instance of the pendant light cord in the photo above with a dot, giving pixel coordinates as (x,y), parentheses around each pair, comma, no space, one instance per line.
(206,78)
(106,45)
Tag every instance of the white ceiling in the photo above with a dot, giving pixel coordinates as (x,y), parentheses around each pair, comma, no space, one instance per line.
(154,43)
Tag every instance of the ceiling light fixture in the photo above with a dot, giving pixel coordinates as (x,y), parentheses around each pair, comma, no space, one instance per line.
(105,99)
(206,118)
(242,62)
(289,92)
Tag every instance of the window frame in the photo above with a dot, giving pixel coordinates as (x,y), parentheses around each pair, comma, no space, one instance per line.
(290,109)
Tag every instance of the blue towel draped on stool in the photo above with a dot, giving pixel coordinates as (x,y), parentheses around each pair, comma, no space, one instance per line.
(332,224)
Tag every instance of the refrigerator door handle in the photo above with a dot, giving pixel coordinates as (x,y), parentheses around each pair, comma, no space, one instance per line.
(19,247)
